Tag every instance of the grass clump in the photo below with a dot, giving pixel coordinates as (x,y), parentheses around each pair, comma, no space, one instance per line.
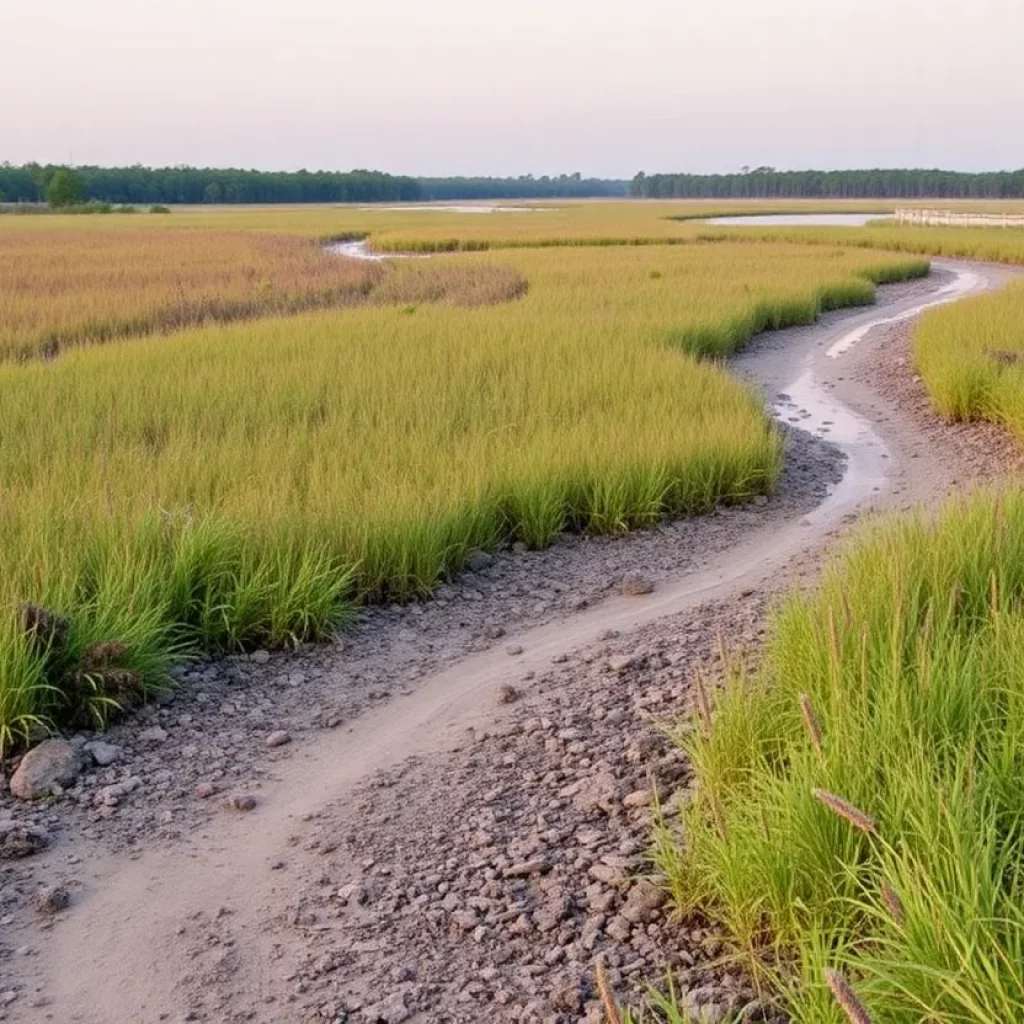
(858,821)
(971,358)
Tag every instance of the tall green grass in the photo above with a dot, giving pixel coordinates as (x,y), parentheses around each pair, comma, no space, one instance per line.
(992,244)
(238,485)
(858,806)
(971,358)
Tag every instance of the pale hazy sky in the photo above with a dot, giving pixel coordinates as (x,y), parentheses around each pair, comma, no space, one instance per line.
(606,87)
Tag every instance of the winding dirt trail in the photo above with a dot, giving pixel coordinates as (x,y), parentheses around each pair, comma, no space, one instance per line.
(135,946)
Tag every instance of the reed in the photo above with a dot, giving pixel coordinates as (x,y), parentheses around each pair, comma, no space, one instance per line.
(919,694)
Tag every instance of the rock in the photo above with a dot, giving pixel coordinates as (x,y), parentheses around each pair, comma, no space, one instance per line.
(241,802)
(389,1011)
(643,903)
(526,868)
(204,790)
(103,754)
(620,662)
(635,585)
(111,795)
(638,798)
(508,694)
(54,763)
(465,920)
(51,899)
(514,650)
(278,738)
(153,735)
(619,928)
(260,657)
(569,996)
(479,560)
(598,792)
(17,840)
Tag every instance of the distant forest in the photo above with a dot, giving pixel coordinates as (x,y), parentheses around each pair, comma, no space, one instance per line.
(768,183)
(166,185)
(30,183)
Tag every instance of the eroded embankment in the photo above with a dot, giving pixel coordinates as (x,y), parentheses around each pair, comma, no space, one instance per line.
(397,867)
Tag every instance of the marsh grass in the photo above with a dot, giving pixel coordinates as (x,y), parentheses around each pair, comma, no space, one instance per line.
(62,288)
(971,358)
(871,854)
(247,484)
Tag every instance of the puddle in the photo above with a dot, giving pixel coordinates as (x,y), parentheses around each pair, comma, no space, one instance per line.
(810,220)
(966,282)
(362,251)
(809,406)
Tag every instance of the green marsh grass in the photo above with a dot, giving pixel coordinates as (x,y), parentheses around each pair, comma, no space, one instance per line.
(858,806)
(243,484)
(971,358)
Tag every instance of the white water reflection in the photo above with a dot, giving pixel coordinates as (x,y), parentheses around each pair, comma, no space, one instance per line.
(361,251)
(810,406)
(965,282)
(810,220)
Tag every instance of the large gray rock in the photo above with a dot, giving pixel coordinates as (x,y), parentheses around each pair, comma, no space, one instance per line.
(53,764)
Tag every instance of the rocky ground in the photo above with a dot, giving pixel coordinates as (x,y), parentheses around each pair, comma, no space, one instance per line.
(475,883)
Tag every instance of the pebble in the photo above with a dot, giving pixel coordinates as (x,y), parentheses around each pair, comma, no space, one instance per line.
(241,802)
(278,738)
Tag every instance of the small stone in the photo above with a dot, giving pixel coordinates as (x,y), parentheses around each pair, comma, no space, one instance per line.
(390,1011)
(508,694)
(619,928)
(638,798)
(17,840)
(514,650)
(643,902)
(635,585)
(278,738)
(241,802)
(260,657)
(204,790)
(51,899)
(620,662)
(53,764)
(103,754)
(465,920)
(526,868)
(153,735)
(479,560)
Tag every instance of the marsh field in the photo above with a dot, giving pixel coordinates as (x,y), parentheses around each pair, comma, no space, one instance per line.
(218,434)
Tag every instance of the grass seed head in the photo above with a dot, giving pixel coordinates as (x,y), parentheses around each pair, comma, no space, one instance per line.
(844,995)
(856,817)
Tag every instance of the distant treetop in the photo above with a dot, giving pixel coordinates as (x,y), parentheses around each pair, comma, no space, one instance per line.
(30,183)
(768,183)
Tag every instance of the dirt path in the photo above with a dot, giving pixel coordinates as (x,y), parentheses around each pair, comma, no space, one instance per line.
(455,827)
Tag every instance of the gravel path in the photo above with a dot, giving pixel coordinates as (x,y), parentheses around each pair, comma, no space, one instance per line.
(443,816)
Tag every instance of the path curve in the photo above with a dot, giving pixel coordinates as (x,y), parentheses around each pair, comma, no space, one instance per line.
(115,957)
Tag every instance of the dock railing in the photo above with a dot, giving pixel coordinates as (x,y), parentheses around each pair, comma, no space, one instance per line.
(960,219)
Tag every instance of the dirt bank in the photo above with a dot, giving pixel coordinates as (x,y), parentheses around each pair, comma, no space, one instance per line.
(453,825)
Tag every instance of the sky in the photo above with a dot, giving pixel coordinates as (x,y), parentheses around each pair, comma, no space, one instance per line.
(509,87)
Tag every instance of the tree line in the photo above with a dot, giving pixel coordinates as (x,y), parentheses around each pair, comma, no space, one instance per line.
(65,186)
(564,186)
(768,183)
(30,183)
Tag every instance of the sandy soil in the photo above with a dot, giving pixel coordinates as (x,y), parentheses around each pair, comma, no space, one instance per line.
(451,823)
